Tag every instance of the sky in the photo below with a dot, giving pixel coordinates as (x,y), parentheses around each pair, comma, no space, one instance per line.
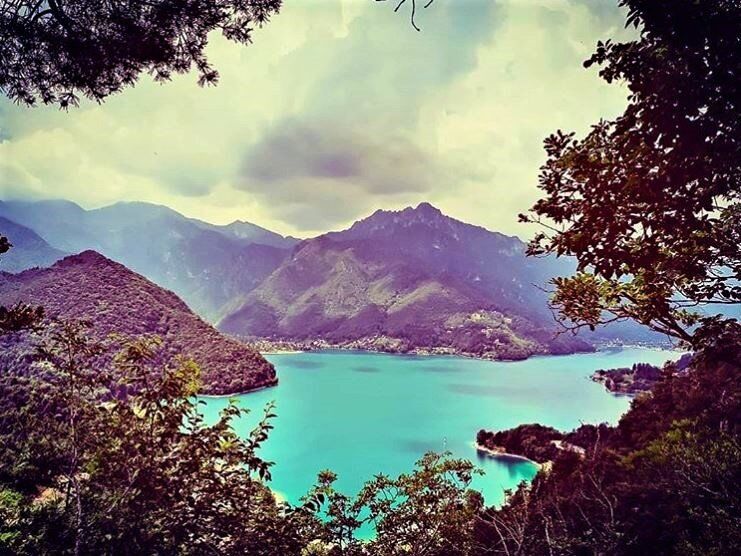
(338,108)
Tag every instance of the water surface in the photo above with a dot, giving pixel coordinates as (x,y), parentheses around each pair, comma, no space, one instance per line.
(362,413)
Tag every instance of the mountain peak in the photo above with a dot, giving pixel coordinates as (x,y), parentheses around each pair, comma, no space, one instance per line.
(428,209)
(87,256)
(87,259)
(385,222)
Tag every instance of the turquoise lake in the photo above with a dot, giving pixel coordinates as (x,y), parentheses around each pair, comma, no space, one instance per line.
(361,414)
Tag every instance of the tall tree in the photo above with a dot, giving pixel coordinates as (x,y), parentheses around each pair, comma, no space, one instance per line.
(649,203)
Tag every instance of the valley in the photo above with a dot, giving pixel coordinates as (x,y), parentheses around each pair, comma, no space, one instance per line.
(412,281)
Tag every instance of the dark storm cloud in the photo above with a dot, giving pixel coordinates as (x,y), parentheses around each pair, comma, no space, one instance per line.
(296,167)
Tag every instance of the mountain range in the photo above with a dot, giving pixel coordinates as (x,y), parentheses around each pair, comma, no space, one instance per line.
(29,249)
(90,287)
(205,264)
(408,280)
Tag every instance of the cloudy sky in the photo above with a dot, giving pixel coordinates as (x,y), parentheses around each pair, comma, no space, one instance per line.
(337,109)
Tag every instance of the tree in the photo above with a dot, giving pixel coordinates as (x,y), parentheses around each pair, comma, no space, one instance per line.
(113,456)
(429,512)
(56,51)
(650,203)
(20,316)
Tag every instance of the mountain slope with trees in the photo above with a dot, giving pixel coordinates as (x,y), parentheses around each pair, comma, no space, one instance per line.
(406,280)
(113,299)
(207,265)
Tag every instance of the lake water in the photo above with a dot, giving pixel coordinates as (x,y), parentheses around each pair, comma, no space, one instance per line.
(360,414)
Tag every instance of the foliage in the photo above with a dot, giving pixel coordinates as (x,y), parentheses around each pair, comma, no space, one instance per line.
(114,457)
(120,460)
(57,51)
(116,300)
(649,203)
(534,441)
(427,512)
(666,480)
(628,380)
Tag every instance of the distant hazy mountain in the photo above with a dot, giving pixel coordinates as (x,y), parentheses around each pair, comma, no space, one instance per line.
(251,233)
(114,299)
(28,251)
(207,265)
(409,279)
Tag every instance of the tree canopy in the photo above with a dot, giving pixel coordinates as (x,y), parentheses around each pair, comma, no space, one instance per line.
(650,203)
(21,316)
(57,51)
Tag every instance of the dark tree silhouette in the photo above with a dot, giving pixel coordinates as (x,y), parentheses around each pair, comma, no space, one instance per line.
(650,203)
(57,51)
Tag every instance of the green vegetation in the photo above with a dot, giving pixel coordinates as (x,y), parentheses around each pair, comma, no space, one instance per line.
(641,377)
(666,480)
(99,460)
(534,442)
(115,300)
(118,460)
(649,203)
(111,456)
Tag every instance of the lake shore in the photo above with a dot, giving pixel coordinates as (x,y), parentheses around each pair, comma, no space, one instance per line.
(409,405)
(282,347)
(241,392)
(503,455)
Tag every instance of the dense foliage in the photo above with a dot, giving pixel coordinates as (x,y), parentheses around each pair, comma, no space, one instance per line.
(118,460)
(98,459)
(641,377)
(649,203)
(535,442)
(57,51)
(114,457)
(666,480)
(118,301)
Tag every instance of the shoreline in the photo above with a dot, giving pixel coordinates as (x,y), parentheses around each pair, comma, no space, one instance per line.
(496,455)
(311,346)
(240,393)
(425,353)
